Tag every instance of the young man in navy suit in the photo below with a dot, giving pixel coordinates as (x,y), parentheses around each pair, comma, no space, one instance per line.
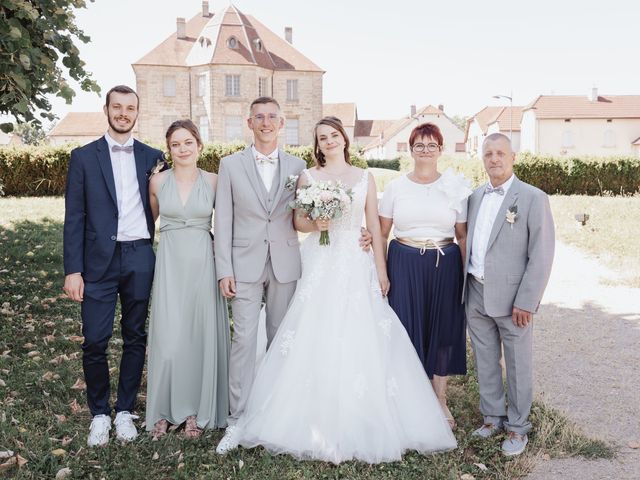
(108,234)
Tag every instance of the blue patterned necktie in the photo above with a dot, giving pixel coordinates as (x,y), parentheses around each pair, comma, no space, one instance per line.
(119,148)
(489,189)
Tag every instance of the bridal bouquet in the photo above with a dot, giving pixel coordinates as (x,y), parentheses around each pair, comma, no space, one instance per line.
(323,200)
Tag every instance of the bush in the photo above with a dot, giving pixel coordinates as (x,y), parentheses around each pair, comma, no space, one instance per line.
(388,164)
(42,171)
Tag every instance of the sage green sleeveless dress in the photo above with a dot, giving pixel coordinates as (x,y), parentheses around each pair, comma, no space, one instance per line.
(189,326)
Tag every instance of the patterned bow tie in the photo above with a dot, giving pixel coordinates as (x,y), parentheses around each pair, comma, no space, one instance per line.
(490,189)
(118,148)
(263,160)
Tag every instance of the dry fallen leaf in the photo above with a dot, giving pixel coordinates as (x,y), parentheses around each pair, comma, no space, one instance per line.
(21,460)
(546,457)
(76,338)
(66,441)
(8,464)
(48,338)
(240,464)
(6,454)
(47,376)
(155,456)
(59,359)
(60,418)
(467,476)
(2,383)
(63,473)
(634,445)
(79,385)
(58,452)
(33,353)
(481,466)
(75,406)
(28,346)
(180,465)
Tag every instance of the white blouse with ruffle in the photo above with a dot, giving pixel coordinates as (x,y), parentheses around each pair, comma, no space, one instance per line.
(421,211)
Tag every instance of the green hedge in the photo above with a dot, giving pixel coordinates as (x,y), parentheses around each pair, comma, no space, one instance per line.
(565,176)
(393,164)
(41,171)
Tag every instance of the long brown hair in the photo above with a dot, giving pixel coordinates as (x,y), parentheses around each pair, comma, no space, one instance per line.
(336,123)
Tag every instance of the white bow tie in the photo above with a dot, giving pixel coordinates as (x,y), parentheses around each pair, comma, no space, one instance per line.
(263,160)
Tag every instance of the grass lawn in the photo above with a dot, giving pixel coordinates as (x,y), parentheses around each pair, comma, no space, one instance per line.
(44,419)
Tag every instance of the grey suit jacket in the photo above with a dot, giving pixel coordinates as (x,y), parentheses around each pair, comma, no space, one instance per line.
(248,228)
(518,260)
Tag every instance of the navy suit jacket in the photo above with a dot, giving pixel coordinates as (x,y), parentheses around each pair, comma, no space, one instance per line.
(91,208)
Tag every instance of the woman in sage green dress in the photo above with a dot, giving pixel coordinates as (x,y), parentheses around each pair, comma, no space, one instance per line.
(187,378)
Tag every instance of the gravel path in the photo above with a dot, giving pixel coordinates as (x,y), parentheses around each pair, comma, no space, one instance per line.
(587,364)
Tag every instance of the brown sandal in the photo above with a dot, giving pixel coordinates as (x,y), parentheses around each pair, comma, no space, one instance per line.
(159,429)
(191,429)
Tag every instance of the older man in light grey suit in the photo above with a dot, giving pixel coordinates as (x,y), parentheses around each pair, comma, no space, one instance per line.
(256,247)
(510,249)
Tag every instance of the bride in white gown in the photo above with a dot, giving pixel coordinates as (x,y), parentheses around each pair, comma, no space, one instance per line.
(341,379)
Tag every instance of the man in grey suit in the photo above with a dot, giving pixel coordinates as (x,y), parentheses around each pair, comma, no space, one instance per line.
(510,249)
(256,247)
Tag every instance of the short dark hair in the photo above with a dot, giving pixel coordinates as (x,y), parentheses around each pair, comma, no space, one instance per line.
(263,100)
(121,89)
(426,130)
(187,125)
(336,123)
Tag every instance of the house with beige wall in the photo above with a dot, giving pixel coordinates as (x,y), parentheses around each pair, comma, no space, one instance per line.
(574,125)
(393,141)
(80,127)
(505,120)
(211,69)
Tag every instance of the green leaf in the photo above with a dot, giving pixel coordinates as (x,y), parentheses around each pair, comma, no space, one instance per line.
(6,127)
(15,33)
(25,61)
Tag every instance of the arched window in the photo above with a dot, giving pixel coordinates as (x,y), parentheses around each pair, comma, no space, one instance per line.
(232,42)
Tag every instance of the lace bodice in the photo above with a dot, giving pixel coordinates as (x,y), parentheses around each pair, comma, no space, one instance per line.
(354,213)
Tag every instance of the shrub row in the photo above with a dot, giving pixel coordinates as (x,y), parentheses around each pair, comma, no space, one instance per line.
(565,176)
(388,164)
(41,171)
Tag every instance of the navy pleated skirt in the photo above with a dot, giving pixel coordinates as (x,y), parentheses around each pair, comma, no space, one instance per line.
(426,298)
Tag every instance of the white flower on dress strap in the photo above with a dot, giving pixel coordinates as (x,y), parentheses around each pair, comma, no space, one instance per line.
(392,387)
(287,342)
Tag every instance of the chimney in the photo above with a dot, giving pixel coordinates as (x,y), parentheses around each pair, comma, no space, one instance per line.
(205,9)
(288,34)
(413,110)
(181,27)
(594,94)
(441,107)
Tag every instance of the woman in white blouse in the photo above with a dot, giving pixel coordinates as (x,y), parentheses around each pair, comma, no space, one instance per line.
(427,210)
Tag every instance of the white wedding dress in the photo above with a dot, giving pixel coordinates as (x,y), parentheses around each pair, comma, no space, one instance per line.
(341,379)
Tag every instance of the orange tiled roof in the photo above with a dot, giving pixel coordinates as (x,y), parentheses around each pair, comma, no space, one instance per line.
(371,128)
(580,106)
(485,117)
(85,124)
(507,115)
(344,111)
(207,38)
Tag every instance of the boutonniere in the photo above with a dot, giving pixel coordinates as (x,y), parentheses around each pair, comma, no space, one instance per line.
(291,183)
(512,214)
(160,166)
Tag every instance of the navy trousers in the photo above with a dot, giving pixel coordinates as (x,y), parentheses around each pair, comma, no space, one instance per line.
(129,276)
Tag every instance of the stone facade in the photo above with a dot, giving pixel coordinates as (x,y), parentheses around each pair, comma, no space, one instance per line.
(216,95)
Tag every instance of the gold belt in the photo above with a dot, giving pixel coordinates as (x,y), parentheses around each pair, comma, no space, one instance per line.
(427,244)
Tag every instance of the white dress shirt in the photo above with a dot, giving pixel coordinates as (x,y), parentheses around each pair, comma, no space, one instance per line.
(267,166)
(132,222)
(489,208)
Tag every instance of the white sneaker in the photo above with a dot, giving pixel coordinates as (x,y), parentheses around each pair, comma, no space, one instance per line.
(125,429)
(229,441)
(99,431)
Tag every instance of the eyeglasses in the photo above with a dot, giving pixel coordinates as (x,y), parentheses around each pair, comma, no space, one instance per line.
(272,117)
(429,147)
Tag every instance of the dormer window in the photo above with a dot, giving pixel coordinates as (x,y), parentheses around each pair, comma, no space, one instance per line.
(232,42)
(257,43)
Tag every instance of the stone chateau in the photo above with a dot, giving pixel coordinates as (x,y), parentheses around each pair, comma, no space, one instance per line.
(213,66)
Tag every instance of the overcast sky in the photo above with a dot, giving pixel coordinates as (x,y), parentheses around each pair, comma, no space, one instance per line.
(387,55)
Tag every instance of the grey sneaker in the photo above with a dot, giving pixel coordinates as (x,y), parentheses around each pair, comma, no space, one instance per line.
(487,430)
(514,444)
(229,442)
